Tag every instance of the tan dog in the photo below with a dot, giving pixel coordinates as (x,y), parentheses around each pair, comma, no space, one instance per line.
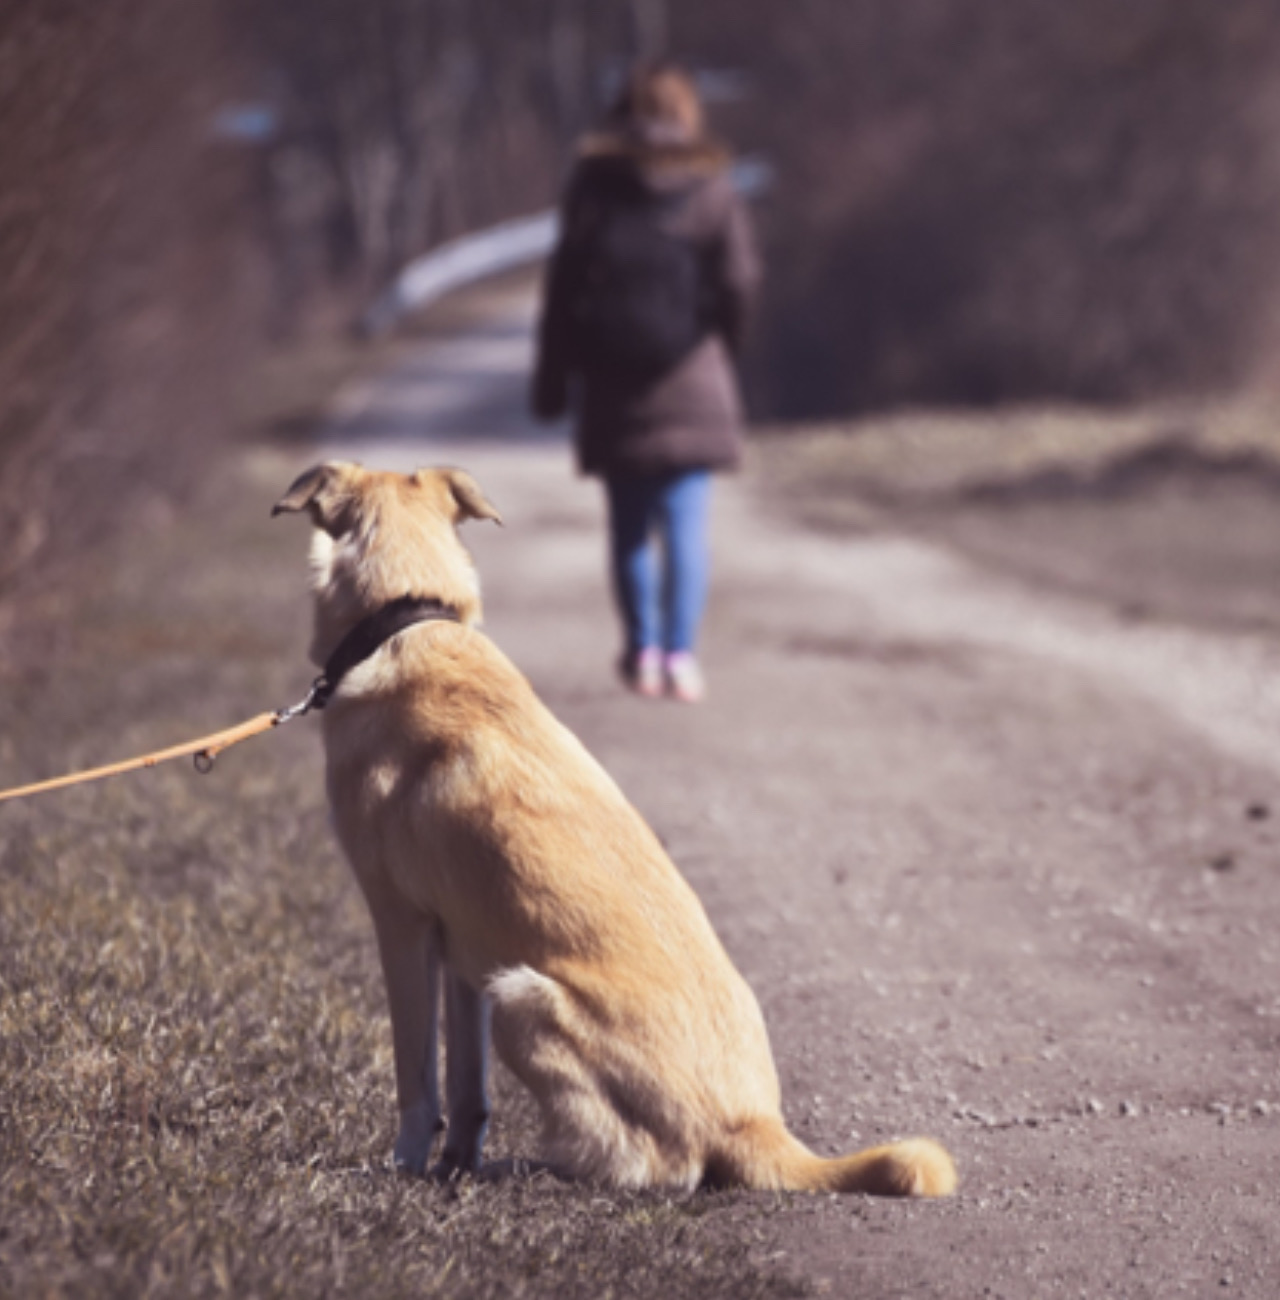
(486,838)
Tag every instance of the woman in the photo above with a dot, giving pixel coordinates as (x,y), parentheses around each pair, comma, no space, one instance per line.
(645,301)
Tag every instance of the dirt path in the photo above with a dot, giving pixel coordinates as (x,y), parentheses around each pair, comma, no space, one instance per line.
(1001,866)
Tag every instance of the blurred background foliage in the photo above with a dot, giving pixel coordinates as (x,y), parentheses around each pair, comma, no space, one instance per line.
(974,204)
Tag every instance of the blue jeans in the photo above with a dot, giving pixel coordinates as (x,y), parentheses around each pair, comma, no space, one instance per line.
(660,611)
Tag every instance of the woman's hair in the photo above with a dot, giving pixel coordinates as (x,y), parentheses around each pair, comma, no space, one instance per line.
(659,102)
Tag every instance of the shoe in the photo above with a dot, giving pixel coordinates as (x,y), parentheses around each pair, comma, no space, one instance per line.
(684,678)
(641,670)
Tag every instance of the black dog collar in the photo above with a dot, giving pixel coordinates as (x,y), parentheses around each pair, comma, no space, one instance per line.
(370,634)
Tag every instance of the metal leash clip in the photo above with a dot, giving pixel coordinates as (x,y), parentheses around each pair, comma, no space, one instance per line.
(315,698)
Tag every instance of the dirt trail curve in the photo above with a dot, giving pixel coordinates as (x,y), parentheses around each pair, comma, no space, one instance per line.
(1002,868)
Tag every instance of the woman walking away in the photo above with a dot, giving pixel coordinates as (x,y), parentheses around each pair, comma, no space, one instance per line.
(645,302)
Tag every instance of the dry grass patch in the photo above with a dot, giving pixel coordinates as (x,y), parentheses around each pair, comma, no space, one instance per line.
(1162,513)
(917,456)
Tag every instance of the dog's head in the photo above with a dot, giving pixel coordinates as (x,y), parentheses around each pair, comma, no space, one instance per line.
(379,536)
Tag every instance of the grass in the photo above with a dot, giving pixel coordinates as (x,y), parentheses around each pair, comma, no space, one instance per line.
(922,456)
(196,1093)
(1164,513)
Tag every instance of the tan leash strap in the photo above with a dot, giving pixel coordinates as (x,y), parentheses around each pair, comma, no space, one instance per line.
(363,640)
(205,751)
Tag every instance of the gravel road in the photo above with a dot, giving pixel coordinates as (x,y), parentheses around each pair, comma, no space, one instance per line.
(1000,863)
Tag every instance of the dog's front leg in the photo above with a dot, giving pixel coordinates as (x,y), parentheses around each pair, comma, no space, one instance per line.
(467,1015)
(409,948)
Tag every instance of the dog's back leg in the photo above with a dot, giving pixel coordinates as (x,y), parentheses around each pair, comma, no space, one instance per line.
(594,1125)
(409,948)
(467,1015)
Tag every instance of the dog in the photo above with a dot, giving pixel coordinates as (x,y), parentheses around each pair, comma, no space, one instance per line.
(502,865)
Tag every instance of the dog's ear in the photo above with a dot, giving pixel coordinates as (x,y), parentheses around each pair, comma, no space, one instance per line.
(471,501)
(324,491)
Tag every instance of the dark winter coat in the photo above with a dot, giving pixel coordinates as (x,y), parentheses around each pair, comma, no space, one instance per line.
(691,416)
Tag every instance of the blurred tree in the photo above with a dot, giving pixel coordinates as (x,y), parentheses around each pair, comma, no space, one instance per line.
(125,265)
(979,203)
(430,117)
(132,134)
(650,28)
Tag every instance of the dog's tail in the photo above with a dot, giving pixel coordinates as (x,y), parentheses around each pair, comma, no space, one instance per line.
(764,1155)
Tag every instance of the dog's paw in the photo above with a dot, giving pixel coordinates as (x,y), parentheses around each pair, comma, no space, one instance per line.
(464,1143)
(455,1164)
(419,1129)
(411,1157)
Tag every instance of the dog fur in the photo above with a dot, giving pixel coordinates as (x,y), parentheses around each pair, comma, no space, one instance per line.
(499,860)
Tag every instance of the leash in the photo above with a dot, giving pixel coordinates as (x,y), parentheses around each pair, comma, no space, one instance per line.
(204,751)
(367,637)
